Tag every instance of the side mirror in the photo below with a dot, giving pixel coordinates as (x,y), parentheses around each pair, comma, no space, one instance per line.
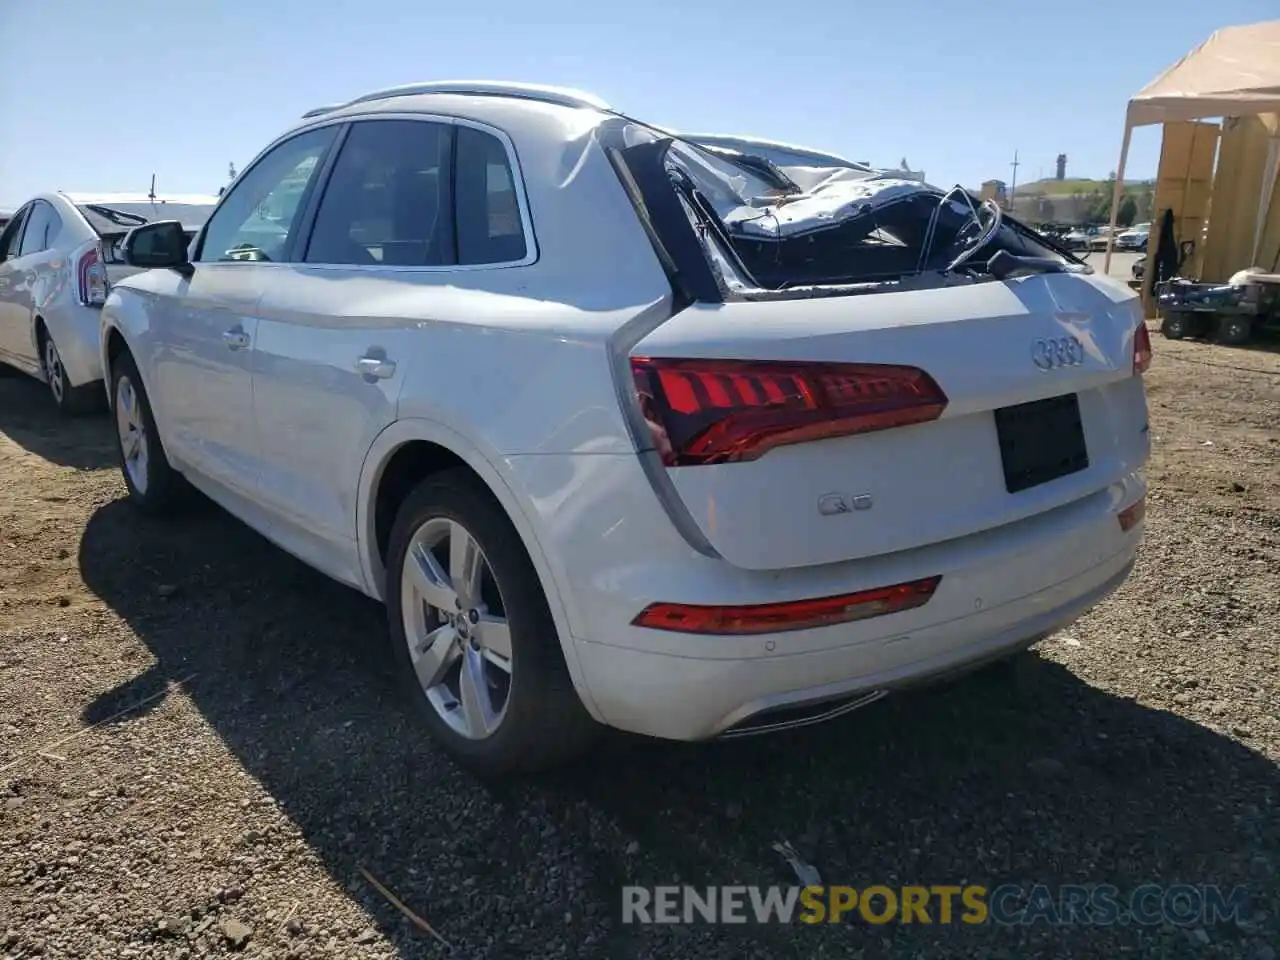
(158,245)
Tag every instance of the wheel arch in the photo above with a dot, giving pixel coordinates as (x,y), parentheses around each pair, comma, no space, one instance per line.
(113,344)
(408,451)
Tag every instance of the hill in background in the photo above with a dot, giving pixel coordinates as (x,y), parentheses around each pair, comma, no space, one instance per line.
(1082,200)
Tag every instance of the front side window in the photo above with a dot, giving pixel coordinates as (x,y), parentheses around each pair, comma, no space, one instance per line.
(12,235)
(488,211)
(259,218)
(388,200)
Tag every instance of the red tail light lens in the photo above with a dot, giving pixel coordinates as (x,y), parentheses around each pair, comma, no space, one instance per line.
(1132,515)
(726,411)
(91,278)
(797,615)
(1141,349)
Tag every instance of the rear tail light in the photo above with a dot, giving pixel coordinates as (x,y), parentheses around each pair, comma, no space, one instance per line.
(797,615)
(1141,349)
(91,278)
(1132,515)
(726,411)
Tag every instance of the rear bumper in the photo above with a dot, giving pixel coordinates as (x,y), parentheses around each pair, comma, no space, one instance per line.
(611,550)
(684,698)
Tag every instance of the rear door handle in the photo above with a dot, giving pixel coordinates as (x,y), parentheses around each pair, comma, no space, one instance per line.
(235,338)
(376,368)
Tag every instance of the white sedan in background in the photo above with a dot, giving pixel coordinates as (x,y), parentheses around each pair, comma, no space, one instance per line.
(59,254)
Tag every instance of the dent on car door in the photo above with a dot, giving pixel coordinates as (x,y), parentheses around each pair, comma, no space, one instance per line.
(206,327)
(15,295)
(340,334)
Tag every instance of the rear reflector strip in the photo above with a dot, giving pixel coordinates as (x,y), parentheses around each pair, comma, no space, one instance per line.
(1132,515)
(794,615)
(1141,349)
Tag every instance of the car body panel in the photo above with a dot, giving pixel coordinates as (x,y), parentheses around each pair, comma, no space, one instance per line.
(977,343)
(615,552)
(201,386)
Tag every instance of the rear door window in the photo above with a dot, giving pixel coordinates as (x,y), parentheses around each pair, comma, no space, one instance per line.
(490,230)
(388,200)
(43,224)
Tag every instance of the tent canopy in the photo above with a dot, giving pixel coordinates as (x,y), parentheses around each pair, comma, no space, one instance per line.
(1235,73)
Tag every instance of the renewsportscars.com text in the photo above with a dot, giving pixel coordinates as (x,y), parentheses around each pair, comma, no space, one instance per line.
(1010,904)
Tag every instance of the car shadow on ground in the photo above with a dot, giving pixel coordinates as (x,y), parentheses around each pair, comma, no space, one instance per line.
(29,418)
(1042,780)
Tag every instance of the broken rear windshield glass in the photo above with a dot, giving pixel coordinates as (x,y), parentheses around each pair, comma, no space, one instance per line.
(798,227)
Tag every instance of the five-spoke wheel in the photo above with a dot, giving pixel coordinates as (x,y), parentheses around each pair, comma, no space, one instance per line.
(456,628)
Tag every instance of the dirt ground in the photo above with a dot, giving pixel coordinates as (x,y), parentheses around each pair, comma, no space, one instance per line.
(263,762)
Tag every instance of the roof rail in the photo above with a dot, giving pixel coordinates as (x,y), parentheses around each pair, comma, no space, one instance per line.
(321,111)
(560,96)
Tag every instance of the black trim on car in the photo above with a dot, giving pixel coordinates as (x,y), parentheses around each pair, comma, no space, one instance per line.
(309,206)
(642,172)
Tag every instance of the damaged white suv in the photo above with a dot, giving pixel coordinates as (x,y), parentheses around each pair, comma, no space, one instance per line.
(632,431)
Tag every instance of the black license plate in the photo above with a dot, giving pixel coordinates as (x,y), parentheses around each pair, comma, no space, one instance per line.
(1041,441)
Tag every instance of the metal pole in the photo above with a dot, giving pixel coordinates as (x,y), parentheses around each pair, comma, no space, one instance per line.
(1013,188)
(1116,192)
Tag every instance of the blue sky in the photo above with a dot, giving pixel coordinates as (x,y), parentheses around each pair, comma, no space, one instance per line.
(97,96)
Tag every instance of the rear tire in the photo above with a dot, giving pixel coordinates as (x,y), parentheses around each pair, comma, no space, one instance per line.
(1177,326)
(70,400)
(154,486)
(485,671)
(1234,330)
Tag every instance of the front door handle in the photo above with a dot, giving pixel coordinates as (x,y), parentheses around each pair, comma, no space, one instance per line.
(376,368)
(236,338)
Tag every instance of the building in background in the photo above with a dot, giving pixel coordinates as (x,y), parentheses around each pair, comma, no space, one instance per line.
(1061,172)
(994,190)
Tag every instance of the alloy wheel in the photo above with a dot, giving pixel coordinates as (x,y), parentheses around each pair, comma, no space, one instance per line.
(131,426)
(456,627)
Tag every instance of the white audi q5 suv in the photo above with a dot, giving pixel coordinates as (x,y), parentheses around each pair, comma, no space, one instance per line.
(631,431)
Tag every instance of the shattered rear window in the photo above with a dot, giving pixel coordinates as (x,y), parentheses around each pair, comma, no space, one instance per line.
(841,225)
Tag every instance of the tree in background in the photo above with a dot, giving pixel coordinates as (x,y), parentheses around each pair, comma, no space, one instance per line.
(1128,211)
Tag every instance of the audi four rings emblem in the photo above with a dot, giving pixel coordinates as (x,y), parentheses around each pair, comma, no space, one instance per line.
(1050,353)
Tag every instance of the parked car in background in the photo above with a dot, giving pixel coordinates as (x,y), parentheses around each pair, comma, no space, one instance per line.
(1098,239)
(649,445)
(59,255)
(1135,238)
(1079,238)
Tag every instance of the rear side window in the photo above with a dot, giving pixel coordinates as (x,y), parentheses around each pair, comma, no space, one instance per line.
(488,212)
(388,200)
(43,224)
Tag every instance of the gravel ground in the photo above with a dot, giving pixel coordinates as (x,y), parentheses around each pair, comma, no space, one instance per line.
(264,763)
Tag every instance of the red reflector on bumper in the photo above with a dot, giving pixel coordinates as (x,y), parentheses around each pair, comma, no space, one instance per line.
(1132,515)
(793,615)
